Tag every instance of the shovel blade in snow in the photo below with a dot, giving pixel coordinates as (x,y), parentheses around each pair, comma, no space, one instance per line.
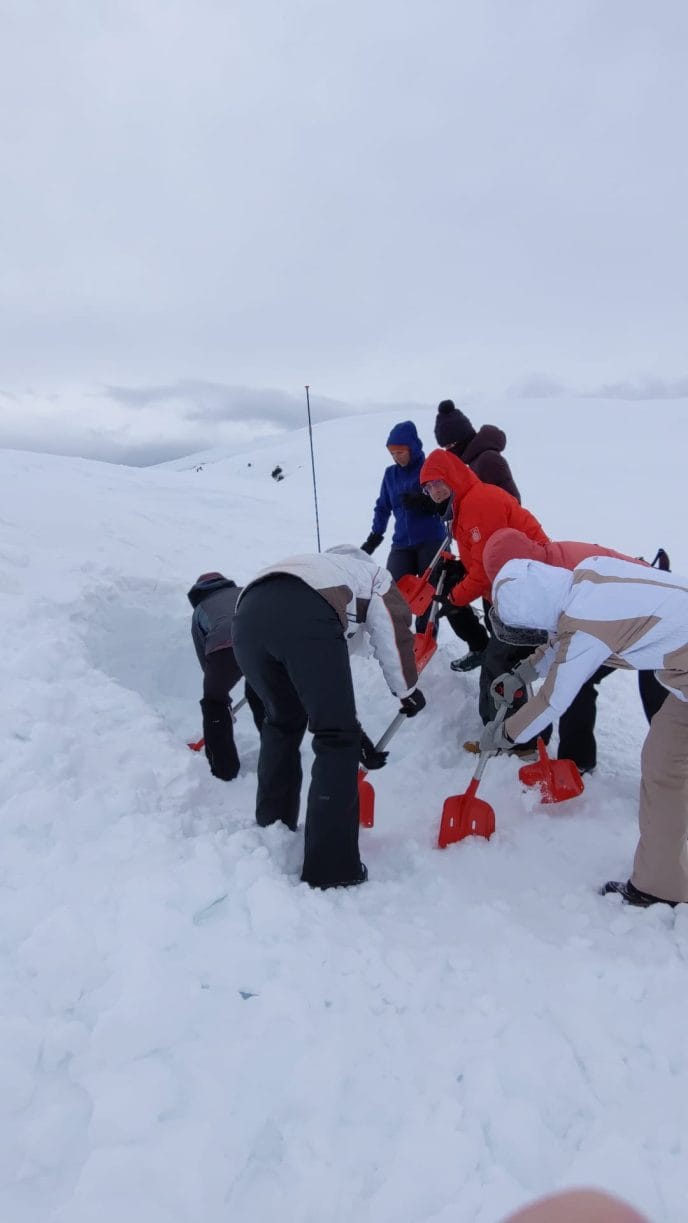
(464,815)
(366,801)
(557,780)
(424,647)
(197,746)
(417,592)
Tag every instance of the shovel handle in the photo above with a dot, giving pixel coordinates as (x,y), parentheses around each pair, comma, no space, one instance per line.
(391,730)
(446,543)
(485,756)
(384,740)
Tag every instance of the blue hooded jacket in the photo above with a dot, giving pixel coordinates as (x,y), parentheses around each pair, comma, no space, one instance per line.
(411,527)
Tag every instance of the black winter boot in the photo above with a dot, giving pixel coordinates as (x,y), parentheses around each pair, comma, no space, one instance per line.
(345,883)
(469,662)
(631,895)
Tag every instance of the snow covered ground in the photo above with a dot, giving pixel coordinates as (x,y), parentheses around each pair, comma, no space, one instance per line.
(188,1033)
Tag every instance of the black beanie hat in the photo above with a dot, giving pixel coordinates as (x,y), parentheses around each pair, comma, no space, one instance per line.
(452,428)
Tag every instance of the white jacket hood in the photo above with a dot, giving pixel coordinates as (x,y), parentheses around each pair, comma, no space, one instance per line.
(530,594)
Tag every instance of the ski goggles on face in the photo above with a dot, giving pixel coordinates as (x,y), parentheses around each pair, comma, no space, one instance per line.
(512,634)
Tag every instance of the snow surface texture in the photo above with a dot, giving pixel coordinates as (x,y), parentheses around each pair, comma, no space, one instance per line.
(188,1033)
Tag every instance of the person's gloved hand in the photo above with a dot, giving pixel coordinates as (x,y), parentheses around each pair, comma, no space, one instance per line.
(454,572)
(454,569)
(220,750)
(512,682)
(369,757)
(505,688)
(418,503)
(444,606)
(412,704)
(372,542)
(494,738)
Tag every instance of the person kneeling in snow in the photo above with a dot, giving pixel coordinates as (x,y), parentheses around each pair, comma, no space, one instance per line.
(292,627)
(213,598)
(608,611)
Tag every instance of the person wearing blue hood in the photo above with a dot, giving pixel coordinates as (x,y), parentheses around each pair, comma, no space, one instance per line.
(214,598)
(418,531)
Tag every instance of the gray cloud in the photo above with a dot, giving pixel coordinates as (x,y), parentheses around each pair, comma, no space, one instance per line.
(394,202)
(197,400)
(643,388)
(139,425)
(540,386)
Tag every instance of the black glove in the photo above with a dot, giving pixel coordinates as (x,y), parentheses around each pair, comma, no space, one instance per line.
(368,756)
(418,503)
(454,571)
(219,739)
(372,542)
(411,705)
(444,607)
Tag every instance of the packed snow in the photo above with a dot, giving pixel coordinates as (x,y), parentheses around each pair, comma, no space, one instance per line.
(188,1032)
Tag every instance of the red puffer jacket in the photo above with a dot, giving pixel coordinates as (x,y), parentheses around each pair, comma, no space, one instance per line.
(479,510)
(509,545)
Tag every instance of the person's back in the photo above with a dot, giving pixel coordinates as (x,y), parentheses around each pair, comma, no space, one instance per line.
(509,544)
(213,598)
(480,449)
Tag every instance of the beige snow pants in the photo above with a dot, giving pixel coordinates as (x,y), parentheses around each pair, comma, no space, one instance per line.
(661,859)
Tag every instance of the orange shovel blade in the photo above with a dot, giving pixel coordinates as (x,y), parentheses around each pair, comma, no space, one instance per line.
(366,801)
(557,780)
(424,646)
(417,592)
(464,815)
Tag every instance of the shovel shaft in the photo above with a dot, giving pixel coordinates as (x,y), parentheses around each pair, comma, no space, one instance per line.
(485,756)
(391,730)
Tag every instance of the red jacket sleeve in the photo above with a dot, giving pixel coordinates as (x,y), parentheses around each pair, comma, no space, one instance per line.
(478,521)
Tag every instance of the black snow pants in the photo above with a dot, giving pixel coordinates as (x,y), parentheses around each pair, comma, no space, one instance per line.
(414,561)
(291,647)
(468,627)
(577,725)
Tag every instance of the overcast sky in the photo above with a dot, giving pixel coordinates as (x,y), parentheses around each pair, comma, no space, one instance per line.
(207,203)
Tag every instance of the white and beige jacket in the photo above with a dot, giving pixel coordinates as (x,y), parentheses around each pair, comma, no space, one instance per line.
(363,595)
(604,611)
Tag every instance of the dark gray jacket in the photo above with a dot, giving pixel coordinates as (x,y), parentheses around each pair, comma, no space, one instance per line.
(214,598)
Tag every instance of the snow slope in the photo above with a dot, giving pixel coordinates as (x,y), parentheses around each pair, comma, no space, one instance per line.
(187,1032)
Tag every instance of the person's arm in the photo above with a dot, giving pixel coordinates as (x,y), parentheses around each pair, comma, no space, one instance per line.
(576,657)
(383,509)
(388,623)
(220,674)
(477,531)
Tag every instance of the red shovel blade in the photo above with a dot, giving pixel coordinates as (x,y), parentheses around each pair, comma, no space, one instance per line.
(197,746)
(366,801)
(417,592)
(557,780)
(464,815)
(424,647)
